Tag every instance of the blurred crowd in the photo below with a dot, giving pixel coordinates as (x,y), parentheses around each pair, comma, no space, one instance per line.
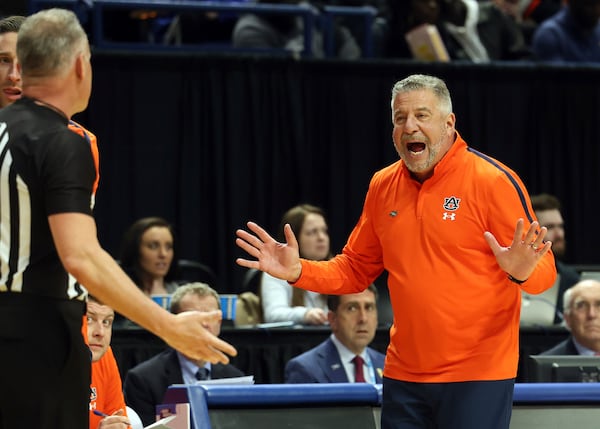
(477,31)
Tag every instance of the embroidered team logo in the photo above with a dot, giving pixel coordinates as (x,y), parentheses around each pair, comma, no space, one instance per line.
(93,398)
(451,204)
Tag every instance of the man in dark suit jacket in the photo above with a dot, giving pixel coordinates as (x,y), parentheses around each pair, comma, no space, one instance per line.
(564,348)
(568,276)
(146,384)
(548,212)
(582,318)
(353,321)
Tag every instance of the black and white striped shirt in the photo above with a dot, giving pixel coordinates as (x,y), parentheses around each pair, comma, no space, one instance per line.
(45,169)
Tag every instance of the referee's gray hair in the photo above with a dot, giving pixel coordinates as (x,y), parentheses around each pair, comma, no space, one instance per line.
(49,41)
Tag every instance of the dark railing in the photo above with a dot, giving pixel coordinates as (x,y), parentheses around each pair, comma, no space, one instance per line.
(366,13)
(306,12)
(310,16)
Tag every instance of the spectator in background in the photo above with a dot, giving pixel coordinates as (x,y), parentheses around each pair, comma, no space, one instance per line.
(199,27)
(147,383)
(460,18)
(148,255)
(106,393)
(481,32)
(528,14)
(286,32)
(405,15)
(471,31)
(281,301)
(582,318)
(353,321)
(548,212)
(10,76)
(570,35)
(502,37)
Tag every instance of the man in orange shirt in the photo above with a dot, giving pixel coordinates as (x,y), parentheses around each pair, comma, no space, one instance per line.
(441,221)
(106,392)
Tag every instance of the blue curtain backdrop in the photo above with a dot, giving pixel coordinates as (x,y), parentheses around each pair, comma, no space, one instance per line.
(210,142)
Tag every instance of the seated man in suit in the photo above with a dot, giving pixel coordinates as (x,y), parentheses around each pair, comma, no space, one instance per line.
(353,321)
(146,384)
(582,317)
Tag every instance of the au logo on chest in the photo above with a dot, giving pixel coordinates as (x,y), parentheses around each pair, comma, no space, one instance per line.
(451,204)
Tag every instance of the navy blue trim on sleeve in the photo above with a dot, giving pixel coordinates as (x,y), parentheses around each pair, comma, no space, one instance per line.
(510,177)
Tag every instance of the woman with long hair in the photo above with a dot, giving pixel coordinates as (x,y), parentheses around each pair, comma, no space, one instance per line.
(281,301)
(148,255)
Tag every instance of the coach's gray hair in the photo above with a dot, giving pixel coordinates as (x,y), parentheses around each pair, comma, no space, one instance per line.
(418,82)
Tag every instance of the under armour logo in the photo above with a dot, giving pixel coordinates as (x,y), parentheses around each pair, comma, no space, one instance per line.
(393,213)
(451,216)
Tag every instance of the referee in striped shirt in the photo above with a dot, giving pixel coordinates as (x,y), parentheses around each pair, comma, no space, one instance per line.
(48,242)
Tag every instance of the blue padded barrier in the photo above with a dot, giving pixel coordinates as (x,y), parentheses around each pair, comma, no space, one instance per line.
(556,393)
(364,393)
(277,394)
(288,394)
(534,398)
(205,397)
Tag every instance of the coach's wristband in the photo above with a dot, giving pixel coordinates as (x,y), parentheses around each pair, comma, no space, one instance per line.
(517,281)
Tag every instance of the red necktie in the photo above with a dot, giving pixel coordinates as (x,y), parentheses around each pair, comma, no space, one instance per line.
(359,376)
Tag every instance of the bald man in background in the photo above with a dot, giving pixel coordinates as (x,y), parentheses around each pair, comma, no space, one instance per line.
(582,318)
